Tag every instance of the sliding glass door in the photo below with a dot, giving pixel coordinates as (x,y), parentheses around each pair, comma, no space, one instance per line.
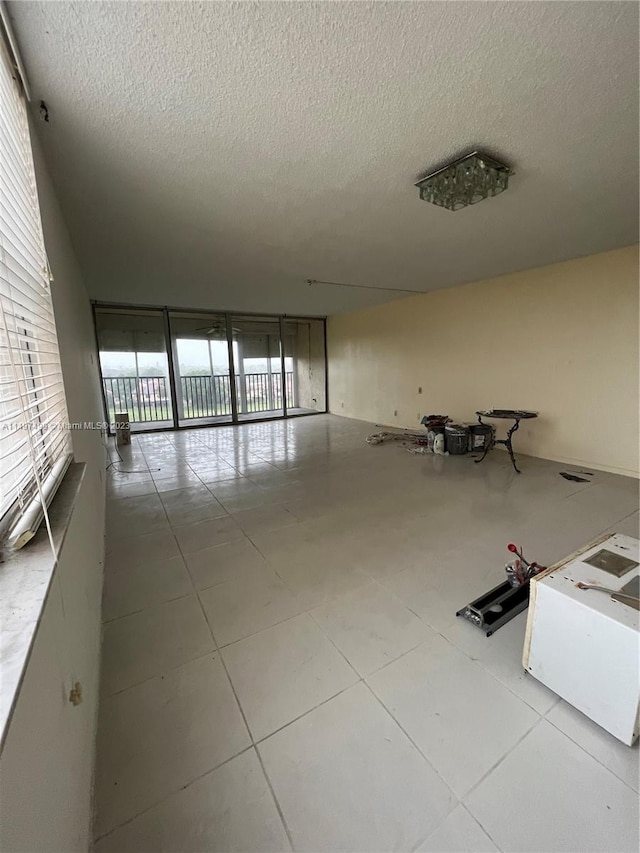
(201,365)
(257,361)
(134,366)
(171,368)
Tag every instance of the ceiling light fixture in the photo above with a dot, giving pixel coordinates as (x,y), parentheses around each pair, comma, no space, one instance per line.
(468,180)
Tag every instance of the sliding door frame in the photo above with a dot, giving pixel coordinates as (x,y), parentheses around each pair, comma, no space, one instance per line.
(232,371)
(283,369)
(96,305)
(173,386)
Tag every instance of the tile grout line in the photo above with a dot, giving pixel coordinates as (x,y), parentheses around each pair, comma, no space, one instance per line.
(305,713)
(259,757)
(275,799)
(199,657)
(309,612)
(142,609)
(255,633)
(336,647)
(178,598)
(194,592)
(158,674)
(414,744)
(462,806)
(172,793)
(495,766)
(590,754)
(484,829)
(493,676)
(239,706)
(243,715)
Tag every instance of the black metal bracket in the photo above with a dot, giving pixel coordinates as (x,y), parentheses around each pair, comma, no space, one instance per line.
(496,607)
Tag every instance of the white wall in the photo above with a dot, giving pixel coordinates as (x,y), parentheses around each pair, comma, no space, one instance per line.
(46,766)
(560,339)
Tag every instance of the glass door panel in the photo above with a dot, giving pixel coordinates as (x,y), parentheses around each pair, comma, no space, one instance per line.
(201,366)
(257,365)
(269,377)
(305,366)
(135,366)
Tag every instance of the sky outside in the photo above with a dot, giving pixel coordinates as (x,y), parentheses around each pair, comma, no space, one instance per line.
(192,356)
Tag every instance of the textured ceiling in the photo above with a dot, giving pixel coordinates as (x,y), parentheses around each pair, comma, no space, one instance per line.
(219,154)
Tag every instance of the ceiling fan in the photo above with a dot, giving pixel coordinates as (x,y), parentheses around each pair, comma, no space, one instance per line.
(217,329)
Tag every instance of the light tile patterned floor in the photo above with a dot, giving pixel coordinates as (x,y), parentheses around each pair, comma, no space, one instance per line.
(282,666)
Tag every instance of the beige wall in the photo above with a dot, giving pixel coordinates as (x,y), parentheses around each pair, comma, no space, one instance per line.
(46,766)
(560,339)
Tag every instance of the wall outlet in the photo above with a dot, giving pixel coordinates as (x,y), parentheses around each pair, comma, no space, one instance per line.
(419,389)
(395,413)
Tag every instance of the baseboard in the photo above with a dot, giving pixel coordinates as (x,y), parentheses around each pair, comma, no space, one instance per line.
(563,460)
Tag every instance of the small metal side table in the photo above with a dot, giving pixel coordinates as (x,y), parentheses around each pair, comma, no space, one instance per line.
(516,415)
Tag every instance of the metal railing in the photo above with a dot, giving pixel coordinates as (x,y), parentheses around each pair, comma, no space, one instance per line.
(147,398)
(263,392)
(205,396)
(210,396)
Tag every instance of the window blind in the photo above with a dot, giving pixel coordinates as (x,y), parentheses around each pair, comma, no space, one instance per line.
(35,447)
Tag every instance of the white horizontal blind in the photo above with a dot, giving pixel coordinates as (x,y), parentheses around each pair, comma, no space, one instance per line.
(34,439)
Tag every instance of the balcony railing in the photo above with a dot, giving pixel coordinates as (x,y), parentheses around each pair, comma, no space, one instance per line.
(210,396)
(263,392)
(147,398)
(205,396)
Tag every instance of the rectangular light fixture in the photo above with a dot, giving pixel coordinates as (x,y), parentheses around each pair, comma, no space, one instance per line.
(466,181)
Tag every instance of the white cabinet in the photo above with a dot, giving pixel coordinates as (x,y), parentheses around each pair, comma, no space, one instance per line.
(583,644)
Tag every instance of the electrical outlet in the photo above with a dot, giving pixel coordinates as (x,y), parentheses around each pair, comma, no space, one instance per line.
(420,389)
(395,413)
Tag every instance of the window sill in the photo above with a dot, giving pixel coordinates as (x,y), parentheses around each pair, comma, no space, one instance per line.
(25,580)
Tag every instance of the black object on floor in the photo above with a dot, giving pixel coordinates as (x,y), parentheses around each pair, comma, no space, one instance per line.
(496,607)
(573,477)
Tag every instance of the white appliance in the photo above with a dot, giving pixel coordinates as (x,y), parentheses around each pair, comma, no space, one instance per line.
(582,643)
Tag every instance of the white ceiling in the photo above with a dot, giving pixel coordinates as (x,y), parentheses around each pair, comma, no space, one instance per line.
(219,154)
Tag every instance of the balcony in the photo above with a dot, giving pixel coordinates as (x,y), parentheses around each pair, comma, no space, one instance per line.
(147,399)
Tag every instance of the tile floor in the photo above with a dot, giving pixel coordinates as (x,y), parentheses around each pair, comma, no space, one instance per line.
(282,667)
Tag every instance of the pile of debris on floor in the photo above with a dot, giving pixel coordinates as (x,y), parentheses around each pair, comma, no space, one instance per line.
(433,441)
